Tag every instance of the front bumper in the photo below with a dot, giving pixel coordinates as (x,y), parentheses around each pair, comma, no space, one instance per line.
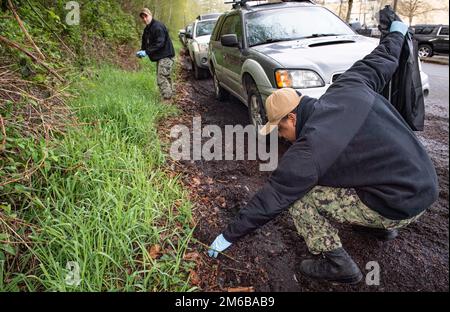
(201,59)
(318,92)
(311,92)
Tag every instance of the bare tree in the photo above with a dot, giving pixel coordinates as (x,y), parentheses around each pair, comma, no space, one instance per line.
(395,5)
(413,8)
(349,10)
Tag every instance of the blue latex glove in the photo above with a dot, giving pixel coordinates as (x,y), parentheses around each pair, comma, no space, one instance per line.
(398,26)
(141,54)
(219,245)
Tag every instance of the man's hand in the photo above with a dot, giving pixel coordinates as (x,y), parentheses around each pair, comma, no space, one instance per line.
(141,54)
(398,26)
(219,245)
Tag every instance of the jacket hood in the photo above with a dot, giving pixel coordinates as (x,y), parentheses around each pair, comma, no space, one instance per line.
(325,55)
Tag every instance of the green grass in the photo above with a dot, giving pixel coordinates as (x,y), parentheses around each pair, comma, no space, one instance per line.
(103,199)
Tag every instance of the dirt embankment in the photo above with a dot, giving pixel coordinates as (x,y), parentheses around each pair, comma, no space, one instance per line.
(266,260)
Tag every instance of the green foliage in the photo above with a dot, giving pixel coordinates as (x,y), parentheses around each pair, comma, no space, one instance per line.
(104,199)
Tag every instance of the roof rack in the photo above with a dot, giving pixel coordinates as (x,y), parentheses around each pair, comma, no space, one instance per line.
(243,3)
(208,16)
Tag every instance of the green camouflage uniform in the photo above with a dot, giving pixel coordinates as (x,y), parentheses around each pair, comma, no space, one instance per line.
(163,77)
(340,204)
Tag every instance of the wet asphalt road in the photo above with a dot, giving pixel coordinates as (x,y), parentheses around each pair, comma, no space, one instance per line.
(438,97)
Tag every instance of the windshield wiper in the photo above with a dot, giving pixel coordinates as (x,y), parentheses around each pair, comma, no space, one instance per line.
(272,40)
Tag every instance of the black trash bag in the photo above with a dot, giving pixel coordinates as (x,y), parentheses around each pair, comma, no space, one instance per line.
(404,91)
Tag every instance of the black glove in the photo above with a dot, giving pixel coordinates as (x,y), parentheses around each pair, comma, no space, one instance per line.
(386,17)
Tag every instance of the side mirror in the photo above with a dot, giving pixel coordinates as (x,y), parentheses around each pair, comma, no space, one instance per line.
(230,40)
(188,35)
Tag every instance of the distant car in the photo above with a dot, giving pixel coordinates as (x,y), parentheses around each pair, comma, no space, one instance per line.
(373,32)
(432,39)
(197,44)
(184,34)
(255,50)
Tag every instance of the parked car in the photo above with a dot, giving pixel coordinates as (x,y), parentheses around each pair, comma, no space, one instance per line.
(198,41)
(184,34)
(256,49)
(432,39)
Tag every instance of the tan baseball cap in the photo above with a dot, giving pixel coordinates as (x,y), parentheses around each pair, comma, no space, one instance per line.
(280,103)
(146,12)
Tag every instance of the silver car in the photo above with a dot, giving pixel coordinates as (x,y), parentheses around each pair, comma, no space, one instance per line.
(197,45)
(256,49)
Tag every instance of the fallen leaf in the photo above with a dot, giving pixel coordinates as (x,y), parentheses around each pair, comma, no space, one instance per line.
(154,251)
(193,256)
(193,277)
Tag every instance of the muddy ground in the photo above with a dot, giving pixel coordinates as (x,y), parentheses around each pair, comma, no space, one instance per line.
(267,259)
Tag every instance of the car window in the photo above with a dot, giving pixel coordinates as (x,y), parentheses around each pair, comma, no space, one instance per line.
(444,31)
(424,30)
(232,25)
(204,28)
(215,33)
(295,23)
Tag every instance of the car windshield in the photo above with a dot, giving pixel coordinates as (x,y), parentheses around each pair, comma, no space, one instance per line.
(205,28)
(295,23)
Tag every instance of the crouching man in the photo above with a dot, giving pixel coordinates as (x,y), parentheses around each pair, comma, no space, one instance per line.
(354,159)
(156,44)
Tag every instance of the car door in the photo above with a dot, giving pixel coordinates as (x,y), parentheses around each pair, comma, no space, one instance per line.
(231,56)
(442,43)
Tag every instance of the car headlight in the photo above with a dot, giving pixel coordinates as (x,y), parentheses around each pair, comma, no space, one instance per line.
(298,79)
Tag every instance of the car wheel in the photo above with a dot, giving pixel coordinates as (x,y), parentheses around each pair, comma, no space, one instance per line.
(256,110)
(199,73)
(220,93)
(425,50)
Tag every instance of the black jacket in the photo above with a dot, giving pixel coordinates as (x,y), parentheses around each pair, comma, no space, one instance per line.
(156,41)
(405,89)
(351,137)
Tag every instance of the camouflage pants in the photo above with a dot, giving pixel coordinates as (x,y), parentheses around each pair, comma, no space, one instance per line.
(342,205)
(163,77)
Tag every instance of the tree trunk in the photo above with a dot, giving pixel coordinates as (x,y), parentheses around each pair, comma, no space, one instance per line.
(349,10)
(340,8)
(395,5)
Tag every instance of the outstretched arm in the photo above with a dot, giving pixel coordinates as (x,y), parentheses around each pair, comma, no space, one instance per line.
(295,176)
(376,69)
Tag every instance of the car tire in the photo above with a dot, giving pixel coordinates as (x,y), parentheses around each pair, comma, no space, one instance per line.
(256,110)
(220,93)
(425,50)
(199,73)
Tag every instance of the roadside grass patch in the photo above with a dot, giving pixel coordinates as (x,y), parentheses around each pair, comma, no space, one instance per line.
(102,203)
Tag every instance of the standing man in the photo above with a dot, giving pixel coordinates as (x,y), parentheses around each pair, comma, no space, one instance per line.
(354,159)
(156,44)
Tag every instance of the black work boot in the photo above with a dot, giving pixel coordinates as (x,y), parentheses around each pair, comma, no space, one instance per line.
(335,266)
(381,234)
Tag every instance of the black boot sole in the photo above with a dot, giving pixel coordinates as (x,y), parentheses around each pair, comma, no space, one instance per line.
(344,280)
(348,280)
